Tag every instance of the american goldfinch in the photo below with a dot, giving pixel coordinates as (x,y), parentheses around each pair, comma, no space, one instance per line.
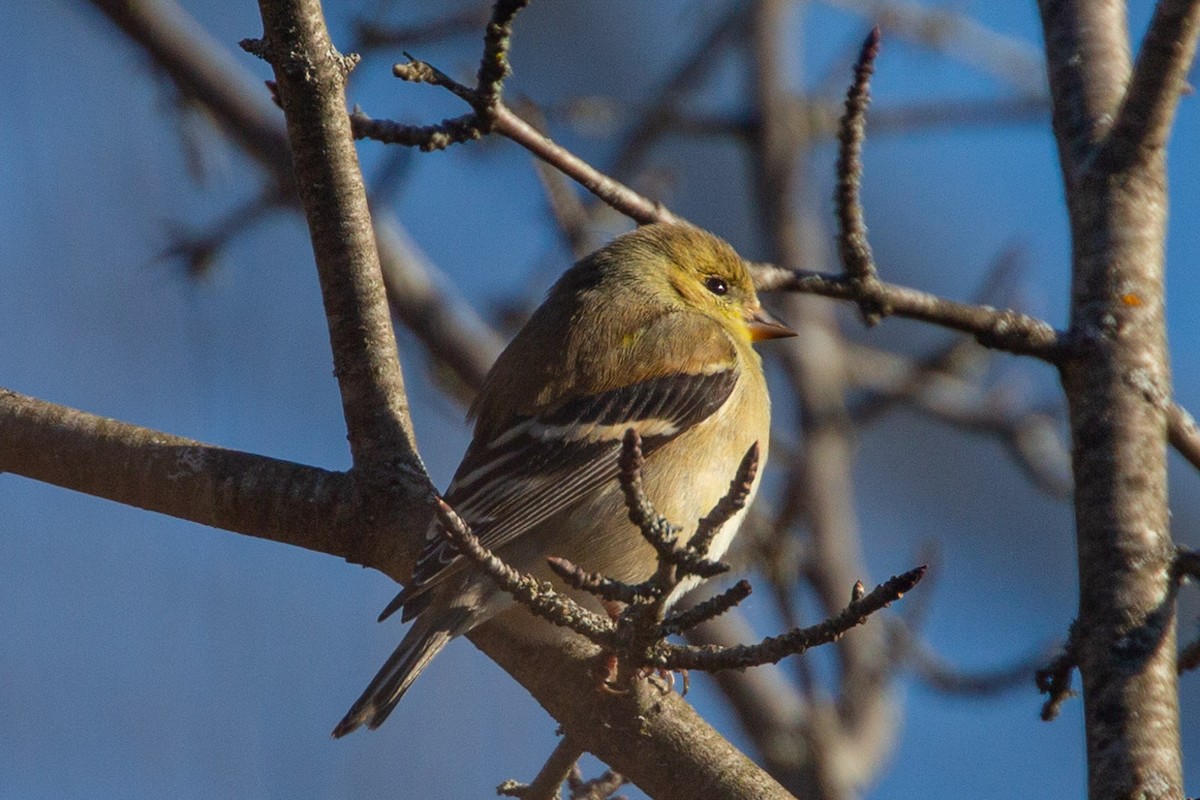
(652,332)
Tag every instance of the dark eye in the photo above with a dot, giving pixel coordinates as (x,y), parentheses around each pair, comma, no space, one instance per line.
(716,285)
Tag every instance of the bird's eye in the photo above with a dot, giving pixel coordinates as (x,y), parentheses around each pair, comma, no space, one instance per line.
(716,285)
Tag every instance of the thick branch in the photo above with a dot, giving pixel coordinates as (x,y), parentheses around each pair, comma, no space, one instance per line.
(1118,387)
(320,511)
(1159,78)
(656,740)
(1087,56)
(311,75)
(240,492)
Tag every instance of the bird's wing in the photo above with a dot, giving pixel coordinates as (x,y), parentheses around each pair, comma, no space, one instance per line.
(543,464)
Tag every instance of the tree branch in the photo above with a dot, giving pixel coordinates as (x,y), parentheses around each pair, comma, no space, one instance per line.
(1184,434)
(774,648)
(1159,78)
(638,635)
(855,249)
(1037,338)
(1087,55)
(506,122)
(655,739)
(240,492)
(1000,329)
(840,742)
(1118,385)
(1054,680)
(311,77)
(550,778)
(639,734)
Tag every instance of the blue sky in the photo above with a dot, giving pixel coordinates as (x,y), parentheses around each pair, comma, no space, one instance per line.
(148,657)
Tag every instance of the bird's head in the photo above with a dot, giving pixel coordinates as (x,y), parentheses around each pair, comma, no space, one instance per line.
(687,267)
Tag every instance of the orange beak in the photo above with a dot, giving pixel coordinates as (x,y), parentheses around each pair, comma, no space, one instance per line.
(764,326)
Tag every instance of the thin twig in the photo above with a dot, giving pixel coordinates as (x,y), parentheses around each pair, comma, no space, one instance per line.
(1184,433)
(775,648)
(547,784)
(1159,78)
(853,245)
(612,192)
(1054,680)
(655,528)
(506,122)
(601,788)
(1186,564)
(1189,657)
(638,635)
(1000,329)
(730,504)
(535,595)
(596,584)
(494,67)
(701,613)
(483,98)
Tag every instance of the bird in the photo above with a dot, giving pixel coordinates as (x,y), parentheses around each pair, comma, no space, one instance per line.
(651,332)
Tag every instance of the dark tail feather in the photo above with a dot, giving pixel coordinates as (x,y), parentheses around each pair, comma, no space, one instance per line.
(419,646)
(394,606)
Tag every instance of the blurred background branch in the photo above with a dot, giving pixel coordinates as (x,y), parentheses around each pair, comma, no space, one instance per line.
(733,126)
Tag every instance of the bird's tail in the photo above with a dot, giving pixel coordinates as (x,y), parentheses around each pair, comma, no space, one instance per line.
(423,641)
